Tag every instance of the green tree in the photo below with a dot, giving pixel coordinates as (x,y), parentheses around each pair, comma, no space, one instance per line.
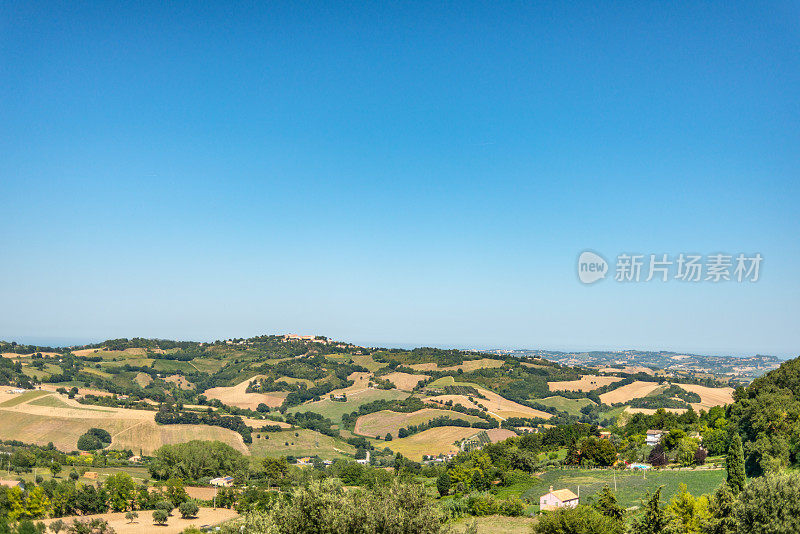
(175,492)
(275,468)
(721,509)
(56,526)
(121,491)
(770,504)
(607,505)
(188,509)
(735,464)
(686,513)
(160,517)
(55,469)
(578,520)
(131,516)
(324,507)
(654,519)
(443,484)
(37,505)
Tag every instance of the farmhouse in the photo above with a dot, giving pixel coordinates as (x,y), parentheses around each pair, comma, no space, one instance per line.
(558,499)
(364,461)
(224,482)
(653,437)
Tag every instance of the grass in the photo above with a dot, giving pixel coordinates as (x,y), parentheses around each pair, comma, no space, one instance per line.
(22,397)
(571,406)
(631,486)
(495,524)
(358,359)
(306,443)
(52,401)
(613,413)
(450,381)
(334,410)
(208,365)
(170,366)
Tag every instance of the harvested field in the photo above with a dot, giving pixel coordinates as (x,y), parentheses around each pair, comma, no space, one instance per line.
(468,365)
(586,383)
(117,521)
(499,434)
(651,411)
(498,406)
(58,419)
(433,441)
(404,381)
(629,369)
(625,393)
(305,443)
(237,396)
(388,422)
(709,397)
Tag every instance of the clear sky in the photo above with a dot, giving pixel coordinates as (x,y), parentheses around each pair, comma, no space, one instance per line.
(398,173)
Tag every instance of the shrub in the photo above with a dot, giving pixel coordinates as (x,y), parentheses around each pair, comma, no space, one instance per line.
(188,509)
(160,517)
(578,520)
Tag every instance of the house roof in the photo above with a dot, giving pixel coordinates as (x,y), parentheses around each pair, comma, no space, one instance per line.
(564,495)
(654,432)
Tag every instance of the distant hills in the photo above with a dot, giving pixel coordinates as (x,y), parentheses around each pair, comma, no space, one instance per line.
(738,369)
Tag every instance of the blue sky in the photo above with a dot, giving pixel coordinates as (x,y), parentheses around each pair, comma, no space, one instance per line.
(398,174)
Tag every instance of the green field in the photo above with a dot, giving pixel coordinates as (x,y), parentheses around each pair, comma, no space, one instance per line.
(22,397)
(207,365)
(450,381)
(631,486)
(306,443)
(358,359)
(571,406)
(613,413)
(170,366)
(53,401)
(334,410)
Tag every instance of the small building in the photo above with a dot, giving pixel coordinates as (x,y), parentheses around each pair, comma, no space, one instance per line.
(653,437)
(364,461)
(605,435)
(92,475)
(13,484)
(558,499)
(135,459)
(304,462)
(224,482)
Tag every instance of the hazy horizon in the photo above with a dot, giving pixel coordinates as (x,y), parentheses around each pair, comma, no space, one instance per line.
(428,173)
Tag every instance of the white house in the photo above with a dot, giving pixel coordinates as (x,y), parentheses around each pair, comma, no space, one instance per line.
(653,437)
(364,461)
(224,482)
(558,499)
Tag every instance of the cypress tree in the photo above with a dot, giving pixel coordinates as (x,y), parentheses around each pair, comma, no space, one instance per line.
(735,464)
